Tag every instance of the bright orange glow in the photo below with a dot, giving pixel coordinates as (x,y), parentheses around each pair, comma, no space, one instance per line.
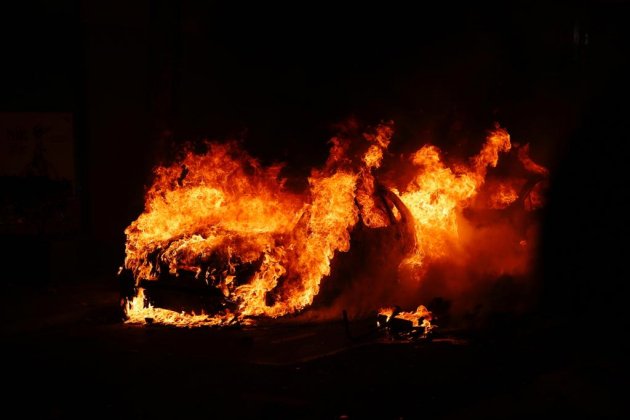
(224,206)
(371,215)
(223,218)
(140,312)
(421,317)
(387,312)
(438,193)
(505,195)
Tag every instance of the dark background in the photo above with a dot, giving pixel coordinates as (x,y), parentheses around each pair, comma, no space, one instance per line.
(142,77)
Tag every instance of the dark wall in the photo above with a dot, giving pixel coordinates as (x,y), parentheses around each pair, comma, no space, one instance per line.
(41,57)
(117,115)
(585,245)
(40,71)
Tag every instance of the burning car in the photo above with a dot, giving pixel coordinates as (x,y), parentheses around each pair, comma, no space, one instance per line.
(220,226)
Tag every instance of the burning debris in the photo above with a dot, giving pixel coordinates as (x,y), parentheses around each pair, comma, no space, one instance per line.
(222,241)
(409,325)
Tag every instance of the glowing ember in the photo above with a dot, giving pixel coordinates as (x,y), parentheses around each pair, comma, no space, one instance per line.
(420,318)
(222,218)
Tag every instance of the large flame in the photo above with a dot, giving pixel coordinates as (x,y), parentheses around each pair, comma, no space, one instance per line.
(225,219)
(437,193)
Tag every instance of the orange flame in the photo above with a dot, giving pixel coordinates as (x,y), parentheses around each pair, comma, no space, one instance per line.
(139,311)
(420,318)
(214,213)
(225,205)
(438,193)
(505,195)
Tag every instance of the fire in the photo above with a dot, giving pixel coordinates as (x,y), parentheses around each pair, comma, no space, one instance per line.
(323,230)
(222,218)
(420,318)
(140,311)
(438,193)
(505,195)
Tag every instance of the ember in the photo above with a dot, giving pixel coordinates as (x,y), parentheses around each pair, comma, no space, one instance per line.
(222,221)
(406,324)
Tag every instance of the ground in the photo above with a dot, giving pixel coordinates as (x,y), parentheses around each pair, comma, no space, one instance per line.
(67,355)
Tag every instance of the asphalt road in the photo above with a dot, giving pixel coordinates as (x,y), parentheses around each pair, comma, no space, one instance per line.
(67,356)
